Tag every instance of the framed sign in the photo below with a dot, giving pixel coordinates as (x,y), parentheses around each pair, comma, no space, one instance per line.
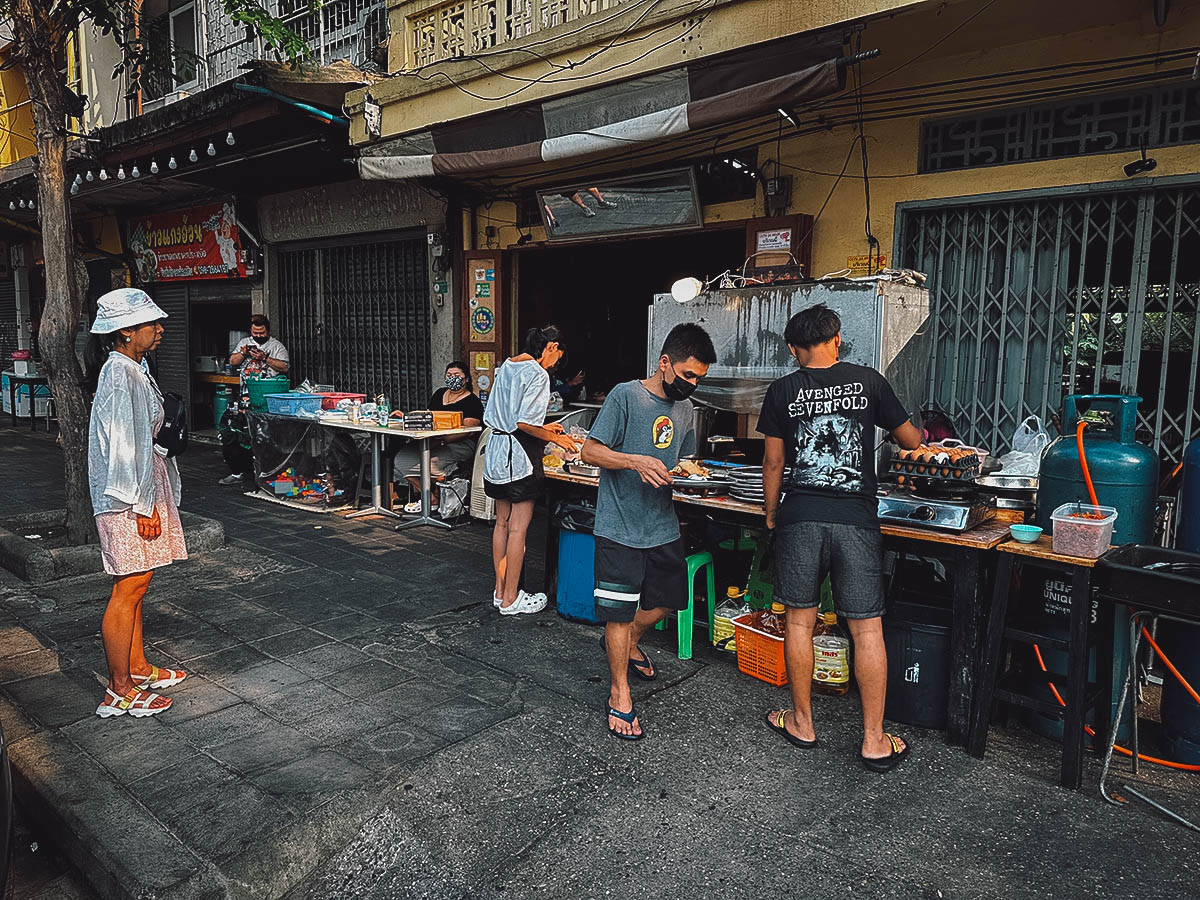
(662,201)
(186,244)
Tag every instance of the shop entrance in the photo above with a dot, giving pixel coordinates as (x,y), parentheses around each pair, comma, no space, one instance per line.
(599,294)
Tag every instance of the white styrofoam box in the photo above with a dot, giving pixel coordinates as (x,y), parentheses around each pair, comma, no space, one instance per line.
(25,367)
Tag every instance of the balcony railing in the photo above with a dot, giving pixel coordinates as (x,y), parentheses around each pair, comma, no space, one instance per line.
(466,27)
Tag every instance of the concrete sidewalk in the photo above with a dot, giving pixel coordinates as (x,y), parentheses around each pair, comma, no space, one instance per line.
(361,723)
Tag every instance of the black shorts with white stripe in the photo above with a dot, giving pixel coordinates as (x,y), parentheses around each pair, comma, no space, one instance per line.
(629,578)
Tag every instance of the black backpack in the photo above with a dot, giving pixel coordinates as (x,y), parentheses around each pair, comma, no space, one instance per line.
(173,435)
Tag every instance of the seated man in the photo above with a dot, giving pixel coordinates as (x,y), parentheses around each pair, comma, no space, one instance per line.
(448,453)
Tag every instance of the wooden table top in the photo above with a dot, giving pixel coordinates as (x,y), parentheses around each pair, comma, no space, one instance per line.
(1043,548)
(983,537)
(216,378)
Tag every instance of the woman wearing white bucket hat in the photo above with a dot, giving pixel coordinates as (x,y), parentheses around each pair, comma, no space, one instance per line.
(135,495)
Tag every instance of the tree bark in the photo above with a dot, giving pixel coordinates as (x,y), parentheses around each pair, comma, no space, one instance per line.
(35,51)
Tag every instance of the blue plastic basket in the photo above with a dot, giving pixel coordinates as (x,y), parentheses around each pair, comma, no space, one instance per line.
(293,403)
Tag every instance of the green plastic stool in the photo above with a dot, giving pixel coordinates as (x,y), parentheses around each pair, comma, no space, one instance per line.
(684,618)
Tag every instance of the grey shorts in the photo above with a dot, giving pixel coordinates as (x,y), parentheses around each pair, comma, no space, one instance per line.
(852,556)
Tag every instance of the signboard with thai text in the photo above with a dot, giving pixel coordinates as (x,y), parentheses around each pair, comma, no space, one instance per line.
(199,242)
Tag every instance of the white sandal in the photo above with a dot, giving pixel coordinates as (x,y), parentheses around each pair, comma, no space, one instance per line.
(137,703)
(160,678)
(525,604)
(414,508)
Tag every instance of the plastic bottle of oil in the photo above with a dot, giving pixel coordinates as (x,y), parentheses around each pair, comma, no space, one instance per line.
(771,620)
(831,657)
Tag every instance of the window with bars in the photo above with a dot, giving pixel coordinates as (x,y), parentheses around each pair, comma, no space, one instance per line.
(356,315)
(1154,117)
(1035,299)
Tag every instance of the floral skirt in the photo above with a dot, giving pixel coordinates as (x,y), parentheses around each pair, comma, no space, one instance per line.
(126,552)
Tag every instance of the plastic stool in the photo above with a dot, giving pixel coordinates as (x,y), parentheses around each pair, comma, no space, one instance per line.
(684,618)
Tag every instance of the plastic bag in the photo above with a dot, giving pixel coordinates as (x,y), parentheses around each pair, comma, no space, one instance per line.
(455,493)
(1029,440)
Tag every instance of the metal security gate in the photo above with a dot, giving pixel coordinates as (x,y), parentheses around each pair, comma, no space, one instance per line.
(356,315)
(1035,298)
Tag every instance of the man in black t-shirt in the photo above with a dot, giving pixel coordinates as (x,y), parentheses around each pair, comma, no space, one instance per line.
(820,421)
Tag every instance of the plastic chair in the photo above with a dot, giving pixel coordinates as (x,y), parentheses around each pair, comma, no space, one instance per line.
(685,617)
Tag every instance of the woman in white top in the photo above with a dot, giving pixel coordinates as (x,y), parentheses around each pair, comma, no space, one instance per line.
(512,466)
(135,494)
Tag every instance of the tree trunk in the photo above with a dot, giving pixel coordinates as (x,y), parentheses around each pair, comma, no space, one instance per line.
(64,296)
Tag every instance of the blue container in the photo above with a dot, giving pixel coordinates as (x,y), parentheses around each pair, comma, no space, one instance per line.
(293,403)
(1188,535)
(1180,713)
(1124,472)
(577,576)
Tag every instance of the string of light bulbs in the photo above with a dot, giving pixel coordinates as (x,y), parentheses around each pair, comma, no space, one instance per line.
(135,171)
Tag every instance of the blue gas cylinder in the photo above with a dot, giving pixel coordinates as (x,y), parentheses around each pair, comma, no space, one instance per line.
(1188,535)
(1124,472)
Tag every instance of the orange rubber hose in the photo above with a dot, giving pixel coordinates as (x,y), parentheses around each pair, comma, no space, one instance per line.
(1087,475)
(1124,751)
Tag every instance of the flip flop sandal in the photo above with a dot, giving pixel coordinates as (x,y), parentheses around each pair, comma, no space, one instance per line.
(160,678)
(624,717)
(137,703)
(779,727)
(635,669)
(889,762)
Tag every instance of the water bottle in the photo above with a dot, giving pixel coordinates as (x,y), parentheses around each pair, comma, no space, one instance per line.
(382,412)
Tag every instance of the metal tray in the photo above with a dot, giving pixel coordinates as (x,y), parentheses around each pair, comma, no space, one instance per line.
(581,469)
(1008,482)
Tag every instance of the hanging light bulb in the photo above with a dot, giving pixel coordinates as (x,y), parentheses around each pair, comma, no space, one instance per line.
(229,139)
(78,178)
(172,164)
(121,172)
(75,188)
(154,167)
(134,171)
(193,156)
(32,205)
(104,174)
(90,176)
(22,203)
(212,150)
(12,204)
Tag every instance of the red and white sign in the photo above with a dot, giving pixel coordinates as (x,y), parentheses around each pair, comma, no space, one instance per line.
(200,242)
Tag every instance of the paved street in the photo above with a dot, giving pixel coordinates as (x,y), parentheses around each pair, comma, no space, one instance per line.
(360,723)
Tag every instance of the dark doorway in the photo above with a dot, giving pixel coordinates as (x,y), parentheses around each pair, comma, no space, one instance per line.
(599,294)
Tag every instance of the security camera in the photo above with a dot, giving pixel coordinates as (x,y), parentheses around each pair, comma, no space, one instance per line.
(1141,166)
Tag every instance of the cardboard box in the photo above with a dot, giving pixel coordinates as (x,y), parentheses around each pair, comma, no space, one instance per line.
(443,419)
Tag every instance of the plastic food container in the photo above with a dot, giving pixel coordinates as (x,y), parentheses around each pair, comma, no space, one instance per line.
(330,398)
(292,403)
(1082,530)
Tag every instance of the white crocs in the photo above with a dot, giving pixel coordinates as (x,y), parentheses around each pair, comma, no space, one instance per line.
(525,604)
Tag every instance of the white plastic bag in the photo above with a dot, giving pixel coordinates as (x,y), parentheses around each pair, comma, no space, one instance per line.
(455,494)
(1029,440)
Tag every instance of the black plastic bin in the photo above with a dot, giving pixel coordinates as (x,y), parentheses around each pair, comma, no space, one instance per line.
(917,638)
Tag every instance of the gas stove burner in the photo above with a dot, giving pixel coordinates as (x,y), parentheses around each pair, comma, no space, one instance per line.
(957,514)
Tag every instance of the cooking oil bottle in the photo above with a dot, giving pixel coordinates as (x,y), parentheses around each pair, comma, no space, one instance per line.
(831,657)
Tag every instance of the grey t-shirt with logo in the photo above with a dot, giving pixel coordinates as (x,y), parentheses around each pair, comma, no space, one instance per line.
(633,420)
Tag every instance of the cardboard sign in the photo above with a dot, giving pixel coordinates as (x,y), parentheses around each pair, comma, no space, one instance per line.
(200,242)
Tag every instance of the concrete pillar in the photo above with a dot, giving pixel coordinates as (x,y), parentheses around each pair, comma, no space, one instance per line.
(20,264)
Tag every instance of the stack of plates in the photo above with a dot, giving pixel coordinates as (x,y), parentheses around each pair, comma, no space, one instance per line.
(746,483)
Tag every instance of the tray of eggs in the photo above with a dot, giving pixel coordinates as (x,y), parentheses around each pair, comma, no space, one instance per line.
(936,461)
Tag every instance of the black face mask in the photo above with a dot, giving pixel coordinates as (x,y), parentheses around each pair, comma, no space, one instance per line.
(679,389)
(261,340)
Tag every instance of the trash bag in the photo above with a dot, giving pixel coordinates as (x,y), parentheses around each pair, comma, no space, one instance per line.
(455,498)
(1029,441)
(576,515)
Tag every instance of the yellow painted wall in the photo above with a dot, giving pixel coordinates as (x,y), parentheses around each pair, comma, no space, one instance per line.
(16,116)
(1008,36)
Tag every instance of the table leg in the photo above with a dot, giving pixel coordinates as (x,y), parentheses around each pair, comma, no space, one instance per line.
(964,645)
(1077,684)
(550,566)
(12,400)
(381,498)
(33,407)
(426,517)
(1128,685)
(981,710)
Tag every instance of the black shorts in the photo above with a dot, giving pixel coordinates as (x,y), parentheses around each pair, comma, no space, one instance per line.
(523,489)
(631,577)
(852,557)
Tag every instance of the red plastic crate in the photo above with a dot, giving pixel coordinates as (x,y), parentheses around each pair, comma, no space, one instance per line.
(758,653)
(330,401)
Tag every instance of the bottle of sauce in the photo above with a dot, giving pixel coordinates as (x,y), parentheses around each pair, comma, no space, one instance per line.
(831,657)
(771,620)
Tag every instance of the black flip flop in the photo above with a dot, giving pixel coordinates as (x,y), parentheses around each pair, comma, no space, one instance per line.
(889,762)
(636,668)
(624,717)
(779,728)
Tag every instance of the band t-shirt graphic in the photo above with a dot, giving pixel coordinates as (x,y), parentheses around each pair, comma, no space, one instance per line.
(827,419)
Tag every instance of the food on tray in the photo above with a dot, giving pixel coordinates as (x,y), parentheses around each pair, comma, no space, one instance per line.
(689,468)
(550,461)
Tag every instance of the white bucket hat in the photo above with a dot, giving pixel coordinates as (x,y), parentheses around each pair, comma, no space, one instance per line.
(124,308)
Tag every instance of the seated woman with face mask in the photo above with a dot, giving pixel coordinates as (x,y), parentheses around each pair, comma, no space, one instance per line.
(448,453)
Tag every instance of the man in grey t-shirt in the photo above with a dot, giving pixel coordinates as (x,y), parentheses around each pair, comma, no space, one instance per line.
(641,432)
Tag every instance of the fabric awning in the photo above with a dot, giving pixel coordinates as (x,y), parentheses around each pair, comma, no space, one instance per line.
(686,100)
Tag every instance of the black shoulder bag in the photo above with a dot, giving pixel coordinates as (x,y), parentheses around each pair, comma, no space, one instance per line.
(173,435)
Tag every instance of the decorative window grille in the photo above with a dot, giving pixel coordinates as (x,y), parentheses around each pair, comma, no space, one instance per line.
(1154,117)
